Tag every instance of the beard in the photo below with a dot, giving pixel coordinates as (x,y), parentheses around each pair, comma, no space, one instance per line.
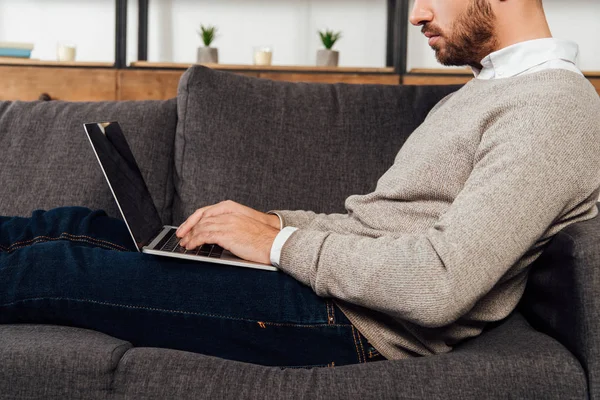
(471,38)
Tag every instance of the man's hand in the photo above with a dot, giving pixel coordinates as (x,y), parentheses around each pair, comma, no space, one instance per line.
(226,207)
(247,233)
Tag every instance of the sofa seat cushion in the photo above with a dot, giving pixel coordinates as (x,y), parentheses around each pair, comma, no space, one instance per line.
(55,362)
(48,162)
(285,145)
(510,361)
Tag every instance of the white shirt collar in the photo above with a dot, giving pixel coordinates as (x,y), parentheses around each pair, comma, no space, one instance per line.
(518,58)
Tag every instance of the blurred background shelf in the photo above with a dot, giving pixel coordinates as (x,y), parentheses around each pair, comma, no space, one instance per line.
(150,82)
(369,28)
(39,81)
(156,80)
(49,63)
(441,71)
(28,79)
(292,73)
(269,68)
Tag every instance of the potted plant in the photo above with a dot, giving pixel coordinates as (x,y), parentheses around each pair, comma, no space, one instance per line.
(328,57)
(207,54)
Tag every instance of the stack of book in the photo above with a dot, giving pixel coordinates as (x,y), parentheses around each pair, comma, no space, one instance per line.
(15,50)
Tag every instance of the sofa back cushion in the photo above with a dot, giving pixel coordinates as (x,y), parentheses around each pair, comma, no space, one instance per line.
(48,162)
(284,145)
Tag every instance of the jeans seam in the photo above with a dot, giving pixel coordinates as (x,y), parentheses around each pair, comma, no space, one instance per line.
(46,240)
(329,365)
(64,236)
(72,237)
(360,342)
(100,241)
(174,312)
(356,344)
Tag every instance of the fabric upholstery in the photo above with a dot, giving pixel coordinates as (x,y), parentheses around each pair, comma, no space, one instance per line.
(562,297)
(48,162)
(54,362)
(242,123)
(51,362)
(512,361)
(283,145)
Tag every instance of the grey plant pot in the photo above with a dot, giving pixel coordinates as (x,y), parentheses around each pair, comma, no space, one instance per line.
(327,58)
(208,55)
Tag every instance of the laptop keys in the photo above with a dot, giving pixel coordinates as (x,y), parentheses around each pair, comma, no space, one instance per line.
(171,244)
(161,245)
(179,249)
(216,252)
(206,250)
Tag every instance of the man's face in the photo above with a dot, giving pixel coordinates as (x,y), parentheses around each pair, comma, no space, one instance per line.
(460,31)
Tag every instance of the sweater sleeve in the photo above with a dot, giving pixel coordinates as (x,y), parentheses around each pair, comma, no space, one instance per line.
(529,179)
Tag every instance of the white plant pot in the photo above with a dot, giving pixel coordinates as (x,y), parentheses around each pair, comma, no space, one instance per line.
(328,58)
(208,55)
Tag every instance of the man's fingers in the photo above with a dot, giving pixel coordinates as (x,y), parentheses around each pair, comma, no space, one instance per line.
(206,231)
(191,221)
(223,207)
(198,240)
(209,235)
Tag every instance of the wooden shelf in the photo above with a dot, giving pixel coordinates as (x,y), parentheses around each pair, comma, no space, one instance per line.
(49,63)
(267,68)
(29,82)
(441,71)
(89,81)
(437,76)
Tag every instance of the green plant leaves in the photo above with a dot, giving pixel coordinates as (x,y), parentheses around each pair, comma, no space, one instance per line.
(329,37)
(207,34)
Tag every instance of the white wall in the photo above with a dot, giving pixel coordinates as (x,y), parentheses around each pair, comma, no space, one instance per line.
(288,25)
(46,22)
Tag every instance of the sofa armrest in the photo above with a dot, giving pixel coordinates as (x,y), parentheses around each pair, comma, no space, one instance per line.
(562,297)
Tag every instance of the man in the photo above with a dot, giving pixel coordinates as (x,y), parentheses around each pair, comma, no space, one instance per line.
(441,247)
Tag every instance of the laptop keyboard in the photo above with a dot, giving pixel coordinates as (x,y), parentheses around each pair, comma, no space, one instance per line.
(170,243)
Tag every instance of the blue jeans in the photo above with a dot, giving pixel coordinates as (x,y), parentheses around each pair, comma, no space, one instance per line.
(77,267)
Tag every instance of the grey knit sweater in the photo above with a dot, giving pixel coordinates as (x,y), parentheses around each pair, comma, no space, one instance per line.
(443,244)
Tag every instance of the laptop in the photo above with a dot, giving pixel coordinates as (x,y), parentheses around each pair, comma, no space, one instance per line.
(136,206)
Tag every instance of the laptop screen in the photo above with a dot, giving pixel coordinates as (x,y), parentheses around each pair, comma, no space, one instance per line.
(125,181)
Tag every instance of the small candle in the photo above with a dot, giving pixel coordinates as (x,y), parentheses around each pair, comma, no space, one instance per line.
(263,56)
(65,52)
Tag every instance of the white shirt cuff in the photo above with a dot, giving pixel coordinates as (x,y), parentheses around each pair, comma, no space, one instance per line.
(280,219)
(278,243)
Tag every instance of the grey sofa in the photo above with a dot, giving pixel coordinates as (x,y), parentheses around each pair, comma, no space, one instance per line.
(276,145)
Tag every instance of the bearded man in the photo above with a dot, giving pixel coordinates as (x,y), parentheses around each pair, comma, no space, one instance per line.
(441,248)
